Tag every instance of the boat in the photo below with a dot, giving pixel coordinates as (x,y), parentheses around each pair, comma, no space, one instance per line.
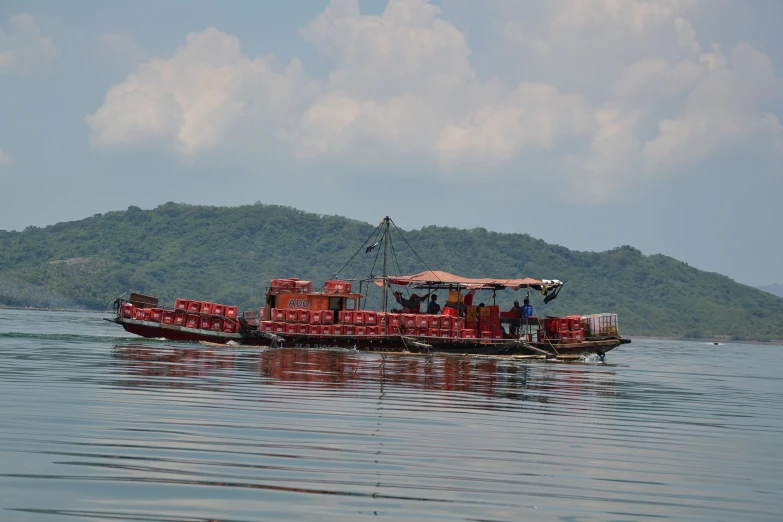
(336,316)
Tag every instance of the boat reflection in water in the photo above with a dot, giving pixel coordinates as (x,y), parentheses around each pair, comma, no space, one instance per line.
(223,367)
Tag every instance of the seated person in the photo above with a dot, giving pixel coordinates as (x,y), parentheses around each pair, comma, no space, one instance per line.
(433,308)
(411,305)
(527,310)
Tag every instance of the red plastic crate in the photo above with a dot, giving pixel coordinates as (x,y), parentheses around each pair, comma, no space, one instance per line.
(433,321)
(358,317)
(422,321)
(291,315)
(372,330)
(409,320)
(282,284)
(218,309)
(316,316)
(206,307)
(179,317)
(303,316)
(337,287)
(349,329)
(278,314)
(139,314)
(446,321)
(194,306)
(231,311)
(229,326)
(393,320)
(346,317)
(181,304)
(192,321)
(466,333)
(394,330)
(302,328)
(291,328)
(128,310)
(279,327)
(327,316)
(261,312)
(205,323)
(371,318)
(168,317)
(266,326)
(303,287)
(336,329)
(156,314)
(360,330)
(315,329)
(217,324)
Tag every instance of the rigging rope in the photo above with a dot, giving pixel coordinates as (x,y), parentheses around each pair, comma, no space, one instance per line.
(409,246)
(359,250)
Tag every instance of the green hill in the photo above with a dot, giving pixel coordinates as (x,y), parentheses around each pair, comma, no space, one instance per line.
(230,254)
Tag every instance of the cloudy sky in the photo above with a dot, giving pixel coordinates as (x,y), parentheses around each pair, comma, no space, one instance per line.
(587,123)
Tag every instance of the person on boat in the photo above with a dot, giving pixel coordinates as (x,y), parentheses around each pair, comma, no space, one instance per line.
(527,310)
(455,301)
(412,305)
(516,309)
(513,327)
(433,308)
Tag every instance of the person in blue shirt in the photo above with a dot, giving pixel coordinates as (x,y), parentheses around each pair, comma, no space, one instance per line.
(527,310)
(433,308)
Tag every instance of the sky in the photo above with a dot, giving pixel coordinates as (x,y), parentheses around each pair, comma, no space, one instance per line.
(587,123)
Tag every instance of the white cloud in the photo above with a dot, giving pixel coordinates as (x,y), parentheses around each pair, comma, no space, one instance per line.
(6,158)
(722,110)
(23,48)
(190,100)
(610,90)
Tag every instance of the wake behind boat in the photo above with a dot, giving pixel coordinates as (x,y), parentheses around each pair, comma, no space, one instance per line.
(336,316)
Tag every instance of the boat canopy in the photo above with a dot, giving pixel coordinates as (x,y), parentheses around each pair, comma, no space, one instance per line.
(442,280)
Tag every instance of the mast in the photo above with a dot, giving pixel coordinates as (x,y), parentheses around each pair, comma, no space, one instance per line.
(385,253)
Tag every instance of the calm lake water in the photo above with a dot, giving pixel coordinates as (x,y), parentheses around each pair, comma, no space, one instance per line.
(98,425)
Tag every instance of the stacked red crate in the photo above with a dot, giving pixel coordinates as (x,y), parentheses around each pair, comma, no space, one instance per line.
(205,323)
(156,314)
(229,326)
(179,317)
(128,310)
(315,329)
(192,321)
(358,317)
(218,309)
(337,287)
(291,315)
(266,326)
(231,311)
(168,317)
(346,317)
(217,324)
(206,307)
(181,304)
(327,316)
(278,314)
(303,316)
(194,306)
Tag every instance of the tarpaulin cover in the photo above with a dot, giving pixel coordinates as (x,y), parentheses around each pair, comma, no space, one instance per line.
(438,278)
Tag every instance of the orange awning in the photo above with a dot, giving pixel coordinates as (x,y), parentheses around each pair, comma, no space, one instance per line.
(438,278)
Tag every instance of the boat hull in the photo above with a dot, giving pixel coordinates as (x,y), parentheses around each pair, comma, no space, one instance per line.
(374,343)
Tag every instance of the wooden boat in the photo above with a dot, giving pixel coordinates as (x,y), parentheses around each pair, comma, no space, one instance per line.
(336,317)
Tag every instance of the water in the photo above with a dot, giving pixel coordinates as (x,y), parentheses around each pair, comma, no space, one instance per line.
(98,425)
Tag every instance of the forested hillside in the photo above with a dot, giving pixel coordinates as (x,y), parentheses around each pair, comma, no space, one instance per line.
(230,254)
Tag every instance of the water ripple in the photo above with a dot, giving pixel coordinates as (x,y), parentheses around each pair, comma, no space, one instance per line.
(104,427)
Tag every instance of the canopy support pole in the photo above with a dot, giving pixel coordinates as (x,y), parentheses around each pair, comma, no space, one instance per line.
(385,255)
